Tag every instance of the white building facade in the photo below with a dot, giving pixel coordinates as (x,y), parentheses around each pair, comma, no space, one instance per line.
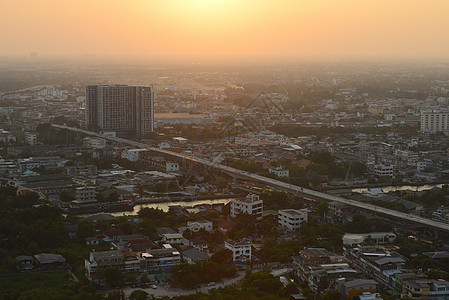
(384,170)
(434,121)
(171,167)
(291,219)
(198,225)
(241,250)
(251,205)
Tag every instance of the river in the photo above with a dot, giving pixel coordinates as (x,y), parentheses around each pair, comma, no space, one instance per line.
(165,206)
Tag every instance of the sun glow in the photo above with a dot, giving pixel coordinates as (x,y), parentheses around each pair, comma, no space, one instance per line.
(226,27)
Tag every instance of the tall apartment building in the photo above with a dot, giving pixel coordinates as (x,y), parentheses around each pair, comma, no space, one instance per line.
(435,121)
(126,110)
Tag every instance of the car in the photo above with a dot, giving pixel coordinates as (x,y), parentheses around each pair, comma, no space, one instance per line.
(154,286)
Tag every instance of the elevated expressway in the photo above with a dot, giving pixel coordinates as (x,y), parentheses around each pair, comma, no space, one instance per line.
(409,218)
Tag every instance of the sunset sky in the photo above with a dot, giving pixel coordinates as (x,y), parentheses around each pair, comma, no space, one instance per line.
(226,28)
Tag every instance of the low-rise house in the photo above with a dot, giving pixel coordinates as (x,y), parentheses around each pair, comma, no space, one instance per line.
(92,241)
(199,243)
(25,262)
(49,260)
(194,255)
(311,259)
(426,289)
(171,166)
(195,226)
(370,296)
(279,172)
(133,154)
(381,267)
(174,238)
(356,287)
(139,245)
(112,234)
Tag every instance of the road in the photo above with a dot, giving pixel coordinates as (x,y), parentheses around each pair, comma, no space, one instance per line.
(272,182)
(166,290)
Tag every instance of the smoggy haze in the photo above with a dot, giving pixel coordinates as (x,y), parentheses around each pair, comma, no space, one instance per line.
(226,28)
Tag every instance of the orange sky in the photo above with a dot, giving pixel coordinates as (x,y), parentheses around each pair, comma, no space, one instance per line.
(226,28)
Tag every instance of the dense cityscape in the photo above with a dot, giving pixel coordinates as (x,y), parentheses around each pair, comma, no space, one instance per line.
(224,150)
(200,184)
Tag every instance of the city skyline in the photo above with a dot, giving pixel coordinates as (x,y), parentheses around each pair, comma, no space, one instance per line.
(227,29)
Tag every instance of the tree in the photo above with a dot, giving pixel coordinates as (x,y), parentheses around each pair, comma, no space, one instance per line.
(85,229)
(263,281)
(114,277)
(331,295)
(138,295)
(322,208)
(66,196)
(26,153)
(222,256)
(116,295)
(114,196)
(290,289)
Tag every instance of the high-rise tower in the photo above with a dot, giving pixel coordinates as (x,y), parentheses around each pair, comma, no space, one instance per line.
(126,110)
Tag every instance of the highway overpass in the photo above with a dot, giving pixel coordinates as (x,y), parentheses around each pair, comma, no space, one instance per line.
(442,227)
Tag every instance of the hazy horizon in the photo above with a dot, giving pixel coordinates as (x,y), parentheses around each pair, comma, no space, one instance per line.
(227,29)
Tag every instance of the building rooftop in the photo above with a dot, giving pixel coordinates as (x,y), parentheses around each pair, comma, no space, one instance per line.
(294,212)
(242,242)
(106,255)
(195,254)
(49,258)
(358,282)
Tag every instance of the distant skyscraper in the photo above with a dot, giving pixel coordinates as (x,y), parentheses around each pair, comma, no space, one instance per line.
(126,110)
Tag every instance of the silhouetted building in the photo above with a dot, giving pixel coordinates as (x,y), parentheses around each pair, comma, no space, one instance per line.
(126,110)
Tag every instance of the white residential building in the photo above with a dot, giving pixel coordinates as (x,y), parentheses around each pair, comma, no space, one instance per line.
(434,121)
(94,142)
(85,195)
(171,167)
(31,138)
(251,205)
(174,238)
(198,225)
(241,250)
(164,145)
(384,170)
(291,219)
(132,154)
(279,172)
